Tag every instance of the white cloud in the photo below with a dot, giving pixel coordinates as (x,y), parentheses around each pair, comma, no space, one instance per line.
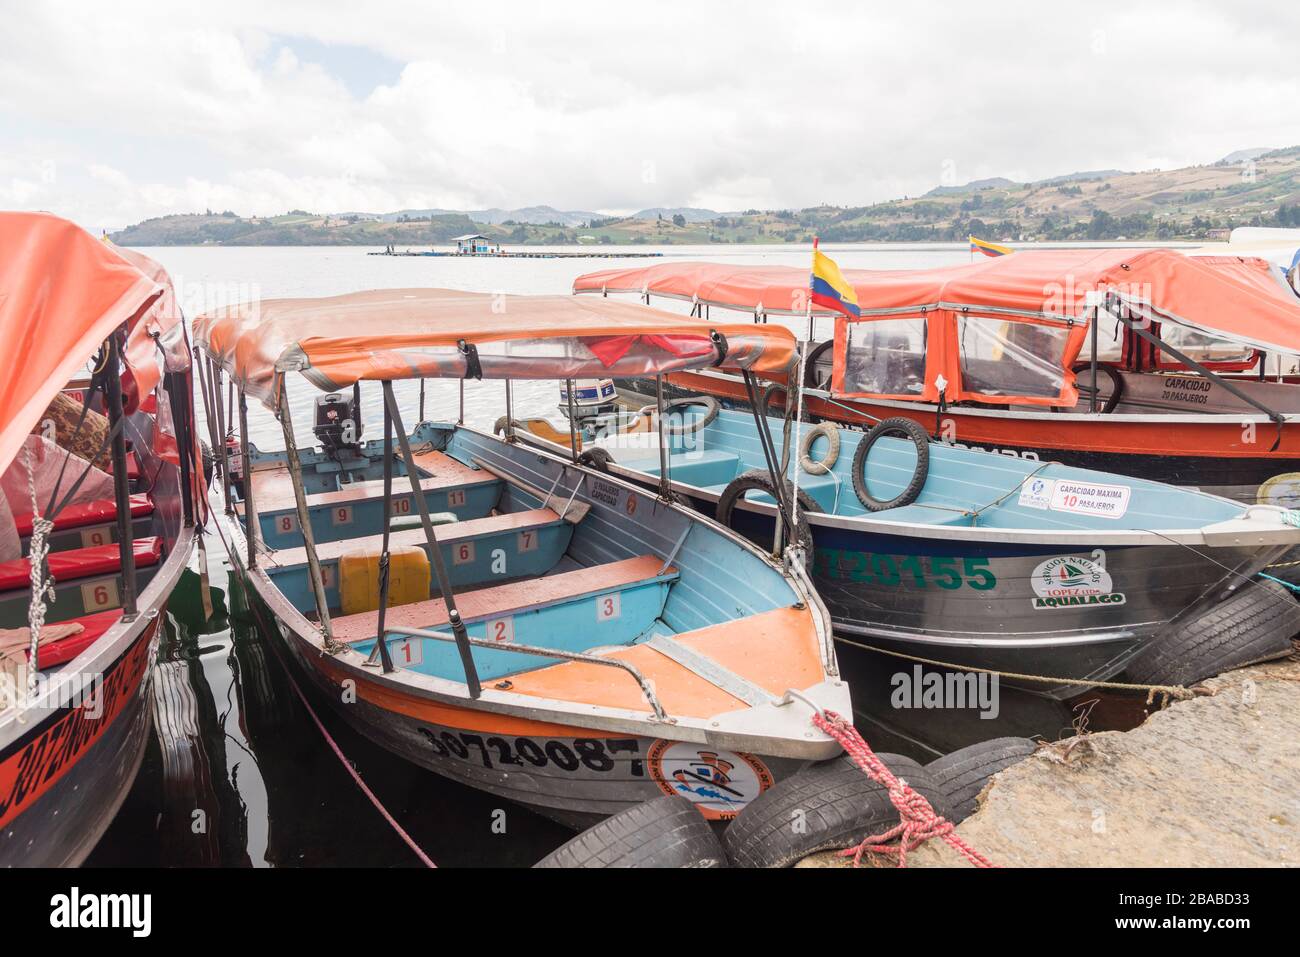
(147,110)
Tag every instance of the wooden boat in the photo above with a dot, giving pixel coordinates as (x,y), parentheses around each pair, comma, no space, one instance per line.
(545,633)
(74,716)
(999,355)
(958,555)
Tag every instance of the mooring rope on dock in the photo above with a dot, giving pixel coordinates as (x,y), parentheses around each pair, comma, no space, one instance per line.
(918,821)
(1177,692)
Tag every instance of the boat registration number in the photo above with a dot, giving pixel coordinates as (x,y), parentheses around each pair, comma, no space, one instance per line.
(939,571)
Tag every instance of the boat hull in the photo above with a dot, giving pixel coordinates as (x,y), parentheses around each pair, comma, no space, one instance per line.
(63,780)
(1077,613)
(572,775)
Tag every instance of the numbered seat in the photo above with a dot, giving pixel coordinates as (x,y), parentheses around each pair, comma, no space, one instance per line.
(86,580)
(357,508)
(495,547)
(609,604)
(87,524)
(57,653)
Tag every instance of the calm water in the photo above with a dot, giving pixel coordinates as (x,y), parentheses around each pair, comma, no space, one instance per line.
(236,773)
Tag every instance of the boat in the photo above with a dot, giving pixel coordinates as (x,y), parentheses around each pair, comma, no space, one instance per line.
(960,556)
(1145,362)
(553,636)
(74,703)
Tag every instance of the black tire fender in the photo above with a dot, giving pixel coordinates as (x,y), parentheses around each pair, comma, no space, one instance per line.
(827,806)
(908,429)
(962,775)
(759,480)
(597,458)
(1107,372)
(711,409)
(1254,625)
(663,832)
(810,365)
(824,465)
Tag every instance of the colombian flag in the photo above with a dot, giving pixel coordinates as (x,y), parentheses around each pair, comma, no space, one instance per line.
(830,288)
(988,249)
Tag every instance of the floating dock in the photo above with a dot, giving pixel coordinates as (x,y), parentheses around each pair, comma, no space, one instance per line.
(522,255)
(1209,781)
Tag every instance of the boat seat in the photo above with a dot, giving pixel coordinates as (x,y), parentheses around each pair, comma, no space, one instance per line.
(87,524)
(358,506)
(608,604)
(512,545)
(85,580)
(705,467)
(60,652)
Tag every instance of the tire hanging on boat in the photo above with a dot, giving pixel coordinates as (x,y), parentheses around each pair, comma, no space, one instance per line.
(827,462)
(827,806)
(596,458)
(908,429)
(711,409)
(810,378)
(667,831)
(1109,372)
(771,392)
(758,480)
(963,774)
(1257,624)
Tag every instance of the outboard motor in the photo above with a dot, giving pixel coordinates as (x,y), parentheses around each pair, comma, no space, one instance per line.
(338,423)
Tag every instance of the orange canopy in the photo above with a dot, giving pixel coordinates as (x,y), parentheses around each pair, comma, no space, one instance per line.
(417,333)
(62,292)
(1232,297)
(159,328)
(977,308)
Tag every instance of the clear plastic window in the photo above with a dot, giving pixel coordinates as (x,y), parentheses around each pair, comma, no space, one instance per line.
(886,357)
(1001,357)
(1201,347)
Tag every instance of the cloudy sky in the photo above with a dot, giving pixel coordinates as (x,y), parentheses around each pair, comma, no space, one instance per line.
(112,112)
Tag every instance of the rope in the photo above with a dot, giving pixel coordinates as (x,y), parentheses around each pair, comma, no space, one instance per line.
(918,821)
(1177,692)
(42,587)
(329,739)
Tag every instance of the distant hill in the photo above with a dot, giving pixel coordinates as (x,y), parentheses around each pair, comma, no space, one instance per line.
(1193,203)
(1241,156)
(691,214)
(997,182)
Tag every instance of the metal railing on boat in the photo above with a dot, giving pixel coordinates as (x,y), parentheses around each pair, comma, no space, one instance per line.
(646,689)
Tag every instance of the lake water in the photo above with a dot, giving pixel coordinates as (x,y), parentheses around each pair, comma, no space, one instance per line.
(240,776)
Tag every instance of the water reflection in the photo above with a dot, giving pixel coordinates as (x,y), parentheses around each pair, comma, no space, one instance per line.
(237,775)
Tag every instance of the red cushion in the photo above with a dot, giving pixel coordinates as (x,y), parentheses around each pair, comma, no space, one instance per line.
(81,563)
(88,513)
(65,649)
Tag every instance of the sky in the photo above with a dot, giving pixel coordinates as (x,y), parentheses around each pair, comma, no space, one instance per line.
(112,113)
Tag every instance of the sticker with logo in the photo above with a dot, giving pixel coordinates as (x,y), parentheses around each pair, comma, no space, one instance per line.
(1037,493)
(1072,582)
(718,783)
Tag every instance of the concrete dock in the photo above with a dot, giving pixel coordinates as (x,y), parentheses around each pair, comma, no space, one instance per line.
(1213,780)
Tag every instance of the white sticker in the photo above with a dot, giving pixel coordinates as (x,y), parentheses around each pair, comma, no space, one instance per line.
(1037,493)
(501,629)
(1087,498)
(287,523)
(402,506)
(608,607)
(97,596)
(462,553)
(1072,582)
(528,540)
(327,575)
(456,498)
(99,535)
(406,652)
(341,514)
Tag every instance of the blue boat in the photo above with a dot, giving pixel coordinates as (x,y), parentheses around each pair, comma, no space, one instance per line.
(964,556)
